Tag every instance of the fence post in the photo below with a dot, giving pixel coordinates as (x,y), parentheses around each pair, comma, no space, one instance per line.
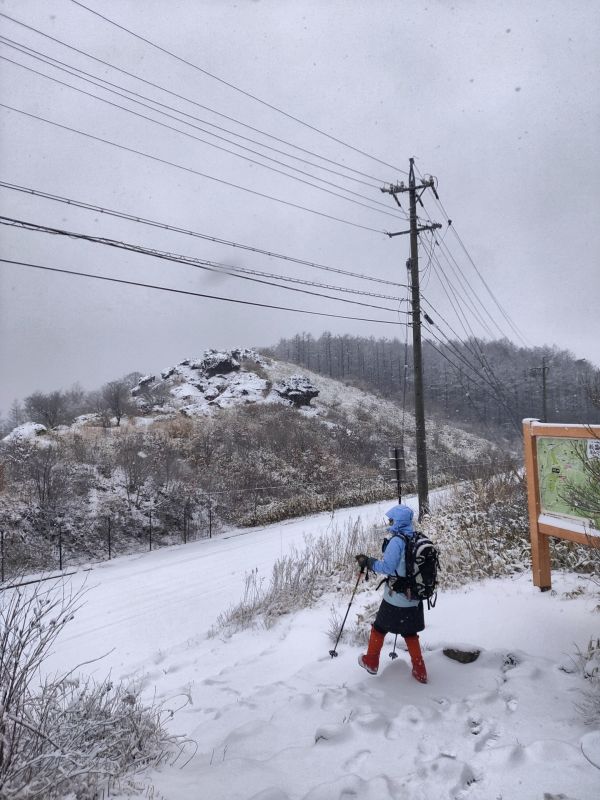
(150,530)
(109,540)
(185,524)
(209,518)
(2,555)
(60,554)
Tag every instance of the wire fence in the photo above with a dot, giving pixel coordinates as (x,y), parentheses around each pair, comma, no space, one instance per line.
(55,545)
(62,543)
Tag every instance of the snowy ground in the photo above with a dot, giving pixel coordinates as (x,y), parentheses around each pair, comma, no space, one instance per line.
(276,718)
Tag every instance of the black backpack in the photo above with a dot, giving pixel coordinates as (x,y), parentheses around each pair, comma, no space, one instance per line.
(422,564)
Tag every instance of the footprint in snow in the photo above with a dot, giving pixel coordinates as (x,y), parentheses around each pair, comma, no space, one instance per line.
(333,698)
(450,772)
(357,761)
(302,702)
(372,721)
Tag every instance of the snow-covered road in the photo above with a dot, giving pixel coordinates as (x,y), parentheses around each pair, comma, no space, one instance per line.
(275,718)
(131,602)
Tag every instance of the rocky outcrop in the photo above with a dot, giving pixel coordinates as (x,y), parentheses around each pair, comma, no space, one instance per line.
(297,389)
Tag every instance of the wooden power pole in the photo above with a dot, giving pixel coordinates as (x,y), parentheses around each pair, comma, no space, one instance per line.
(543,370)
(414,195)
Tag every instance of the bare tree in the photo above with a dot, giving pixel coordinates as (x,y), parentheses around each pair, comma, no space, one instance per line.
(592,388)
(50,409)
(116,398)
(16,415)
(133,458)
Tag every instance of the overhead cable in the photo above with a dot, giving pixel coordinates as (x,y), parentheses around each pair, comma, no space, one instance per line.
(175,229)
(493,394)
(78,274)
(235,88)
(474,265)
(476,350)
(190,170)
(130,95)
(489,377)
(211,266)
(187,99)
(456,303)
(224,149)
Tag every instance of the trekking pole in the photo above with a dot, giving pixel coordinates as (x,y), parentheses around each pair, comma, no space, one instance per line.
(333,653)
(394,654)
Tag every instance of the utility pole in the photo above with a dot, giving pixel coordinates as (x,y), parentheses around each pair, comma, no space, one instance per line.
(414,195)
(537,371)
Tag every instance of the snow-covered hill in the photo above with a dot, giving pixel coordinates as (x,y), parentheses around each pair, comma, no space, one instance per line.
(220,380)
(274,717)
(224,379)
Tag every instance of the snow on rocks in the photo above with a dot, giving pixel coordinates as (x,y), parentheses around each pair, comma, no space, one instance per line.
(220,379)
(297,389)
(29,430)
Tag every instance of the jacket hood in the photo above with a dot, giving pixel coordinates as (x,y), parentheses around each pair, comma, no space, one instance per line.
(402,517)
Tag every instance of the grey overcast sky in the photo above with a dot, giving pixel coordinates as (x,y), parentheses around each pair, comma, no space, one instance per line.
(499,101)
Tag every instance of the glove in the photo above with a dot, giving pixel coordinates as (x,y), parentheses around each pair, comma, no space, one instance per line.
(364,562)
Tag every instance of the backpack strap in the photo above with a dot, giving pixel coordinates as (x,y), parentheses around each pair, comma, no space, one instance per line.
(400,581)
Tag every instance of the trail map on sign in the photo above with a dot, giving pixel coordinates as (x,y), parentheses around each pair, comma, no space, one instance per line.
(561,464)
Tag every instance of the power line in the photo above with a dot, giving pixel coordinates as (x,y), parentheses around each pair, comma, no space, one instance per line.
(469,290)
(501,309)
(117,89)
(468,394)
(465,285)
(175,229)
(478,354)
(193,171)
(465,343)
(192,294)
(218,147)
(455,304)
(493,395)
(186,99)
(234,87)
(466,252)
(490,379)
(210,266)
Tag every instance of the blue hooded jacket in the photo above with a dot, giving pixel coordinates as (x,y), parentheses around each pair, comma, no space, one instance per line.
(393,561)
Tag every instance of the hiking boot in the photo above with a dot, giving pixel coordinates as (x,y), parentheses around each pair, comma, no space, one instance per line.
(368,664)
(418,665)
(370,660)
(419,672)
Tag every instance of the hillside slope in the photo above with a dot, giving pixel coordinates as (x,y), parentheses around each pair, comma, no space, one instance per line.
(230,438)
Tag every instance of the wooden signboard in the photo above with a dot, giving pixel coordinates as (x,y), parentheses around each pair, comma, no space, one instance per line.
(559,461)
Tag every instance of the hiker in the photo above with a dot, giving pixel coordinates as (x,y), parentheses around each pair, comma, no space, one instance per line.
(397,613)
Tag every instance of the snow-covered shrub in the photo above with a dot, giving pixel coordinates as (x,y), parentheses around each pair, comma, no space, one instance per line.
(300,578)
(64,736)
(587,663)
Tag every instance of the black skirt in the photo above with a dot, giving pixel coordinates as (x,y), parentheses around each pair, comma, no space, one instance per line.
(404,621)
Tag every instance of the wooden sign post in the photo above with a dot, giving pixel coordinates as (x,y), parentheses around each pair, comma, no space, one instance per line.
(557,460)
